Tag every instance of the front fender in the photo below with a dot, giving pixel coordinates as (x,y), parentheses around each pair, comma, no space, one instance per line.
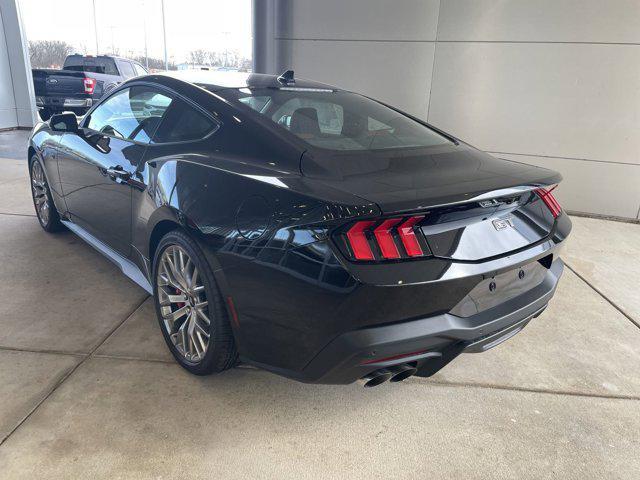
(44,144)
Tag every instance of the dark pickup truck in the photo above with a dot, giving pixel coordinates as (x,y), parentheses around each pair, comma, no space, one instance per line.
(82,81)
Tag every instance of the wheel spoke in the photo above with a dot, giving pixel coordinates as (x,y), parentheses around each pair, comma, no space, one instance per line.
(175,272)
(166,279)
(177,314)
(203,316)
(197,346)
(194,279)
(183,336)
(172,274)
(177,298)
(167,295)
(201,341)
(201,331)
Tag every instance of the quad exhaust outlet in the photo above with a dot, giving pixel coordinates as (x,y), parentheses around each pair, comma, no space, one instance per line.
(402,372)
(393,374)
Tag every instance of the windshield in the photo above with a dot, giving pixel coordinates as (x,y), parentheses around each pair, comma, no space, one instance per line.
(337,120)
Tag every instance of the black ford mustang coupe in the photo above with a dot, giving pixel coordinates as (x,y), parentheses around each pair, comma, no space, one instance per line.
(301,228)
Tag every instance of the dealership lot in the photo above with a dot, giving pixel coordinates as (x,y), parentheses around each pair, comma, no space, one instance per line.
(88,388)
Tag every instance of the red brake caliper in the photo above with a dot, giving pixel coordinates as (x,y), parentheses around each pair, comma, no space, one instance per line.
(180,304)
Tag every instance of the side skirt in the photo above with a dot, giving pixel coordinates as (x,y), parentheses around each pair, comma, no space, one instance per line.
(129,268)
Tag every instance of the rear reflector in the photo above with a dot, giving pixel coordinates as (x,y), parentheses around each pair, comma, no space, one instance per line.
(388,235)
(232,309)
(549,200)
(358,240)
(394,357)
(408,237)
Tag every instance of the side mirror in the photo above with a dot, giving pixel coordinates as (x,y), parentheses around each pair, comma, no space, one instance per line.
(64,122)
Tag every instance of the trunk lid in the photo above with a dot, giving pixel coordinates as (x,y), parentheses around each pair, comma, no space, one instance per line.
(476,206)
(48,82)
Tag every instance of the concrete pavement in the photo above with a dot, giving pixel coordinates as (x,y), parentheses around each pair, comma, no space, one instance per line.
(88,388)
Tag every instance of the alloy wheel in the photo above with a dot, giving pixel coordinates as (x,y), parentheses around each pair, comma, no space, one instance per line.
(40,193)
(183,304)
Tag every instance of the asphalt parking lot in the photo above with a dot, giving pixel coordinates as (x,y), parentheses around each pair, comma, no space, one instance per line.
(89,390)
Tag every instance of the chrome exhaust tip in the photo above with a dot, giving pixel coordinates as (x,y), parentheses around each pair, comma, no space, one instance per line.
(402,372)
(375,378)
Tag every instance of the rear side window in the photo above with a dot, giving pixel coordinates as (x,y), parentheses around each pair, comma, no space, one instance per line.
(184,123)
(139,69)
(127,69)
(91,64)
(131,114)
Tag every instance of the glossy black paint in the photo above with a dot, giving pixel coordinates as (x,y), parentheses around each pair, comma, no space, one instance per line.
(268,210)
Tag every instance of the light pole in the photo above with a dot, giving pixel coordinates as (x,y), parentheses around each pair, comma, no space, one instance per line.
(144,24)
(226,48)
(164,37)
(95,27)
(113,45)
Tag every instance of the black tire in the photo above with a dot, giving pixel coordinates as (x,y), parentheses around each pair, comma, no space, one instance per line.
(52,223)
(221,353)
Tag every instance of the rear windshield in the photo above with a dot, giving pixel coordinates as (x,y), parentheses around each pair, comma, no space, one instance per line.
(337,120)
(88,64)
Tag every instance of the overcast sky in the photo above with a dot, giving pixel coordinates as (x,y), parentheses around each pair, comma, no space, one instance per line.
(191,25)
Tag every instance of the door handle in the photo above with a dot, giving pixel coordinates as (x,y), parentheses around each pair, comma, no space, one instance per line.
(118,172)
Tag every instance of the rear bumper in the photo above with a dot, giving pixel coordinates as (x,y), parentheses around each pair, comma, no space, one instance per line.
(436,340)
(59,103)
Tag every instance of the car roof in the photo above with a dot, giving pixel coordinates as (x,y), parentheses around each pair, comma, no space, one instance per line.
(113,57)
(219,80)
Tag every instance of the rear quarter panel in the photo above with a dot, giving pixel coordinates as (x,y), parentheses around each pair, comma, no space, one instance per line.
(261,229)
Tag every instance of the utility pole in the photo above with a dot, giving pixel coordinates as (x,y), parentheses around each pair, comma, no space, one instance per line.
(144,23)
(164,37)
(226,48)
(113,44)
(95,27)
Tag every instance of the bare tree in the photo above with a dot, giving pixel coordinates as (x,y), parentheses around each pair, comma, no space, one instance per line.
(226,58)
(199,57)
(48,53)
(154,63)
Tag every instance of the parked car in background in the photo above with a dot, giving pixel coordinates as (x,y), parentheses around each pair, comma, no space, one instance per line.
(301,228)
(82,80)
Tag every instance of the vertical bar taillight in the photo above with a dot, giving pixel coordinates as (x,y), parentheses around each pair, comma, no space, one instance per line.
(408,237)
(384,237)
(549,200)
(388,239)
(358,240)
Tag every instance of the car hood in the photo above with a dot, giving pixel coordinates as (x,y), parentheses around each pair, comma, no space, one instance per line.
(414,179)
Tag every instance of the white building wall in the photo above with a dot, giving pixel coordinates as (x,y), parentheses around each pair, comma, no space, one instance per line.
(364,45)
(552,83)
(555,83)
(17,102)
